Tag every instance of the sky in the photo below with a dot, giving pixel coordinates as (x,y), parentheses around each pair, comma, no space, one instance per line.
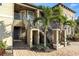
(73,6)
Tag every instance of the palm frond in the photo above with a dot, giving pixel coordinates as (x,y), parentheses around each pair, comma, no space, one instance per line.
(70,23)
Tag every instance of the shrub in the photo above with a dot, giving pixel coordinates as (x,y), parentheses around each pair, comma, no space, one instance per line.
(34,47)
(50,45)
(3,45)
(39,48)
(73,38)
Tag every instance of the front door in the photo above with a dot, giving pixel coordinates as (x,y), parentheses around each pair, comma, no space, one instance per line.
(16,33)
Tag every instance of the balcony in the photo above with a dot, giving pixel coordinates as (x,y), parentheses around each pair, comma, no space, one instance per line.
(18,19)
(18,22)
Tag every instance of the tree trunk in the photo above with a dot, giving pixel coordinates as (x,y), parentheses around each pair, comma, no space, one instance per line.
(61,26)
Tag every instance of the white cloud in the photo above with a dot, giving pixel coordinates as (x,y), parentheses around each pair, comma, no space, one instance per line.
(73,5)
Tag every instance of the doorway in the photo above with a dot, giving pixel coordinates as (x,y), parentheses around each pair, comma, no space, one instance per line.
(35,37)
(19,38)
(16,33)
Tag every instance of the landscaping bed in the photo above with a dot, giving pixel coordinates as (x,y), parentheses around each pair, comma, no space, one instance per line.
(2,48)
(74,38)
(40,48)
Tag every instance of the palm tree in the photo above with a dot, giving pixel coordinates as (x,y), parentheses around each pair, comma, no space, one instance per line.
(46,19)
(71,23)
(58,16)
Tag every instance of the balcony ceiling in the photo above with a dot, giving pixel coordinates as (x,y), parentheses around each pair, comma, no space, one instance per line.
(18,7)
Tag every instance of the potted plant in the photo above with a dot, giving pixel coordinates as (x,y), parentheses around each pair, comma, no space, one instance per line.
(2,48)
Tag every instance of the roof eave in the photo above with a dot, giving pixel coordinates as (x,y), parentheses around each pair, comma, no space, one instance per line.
(64,6)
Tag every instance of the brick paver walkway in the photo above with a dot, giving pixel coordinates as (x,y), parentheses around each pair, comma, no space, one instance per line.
(8,53)
(71,50)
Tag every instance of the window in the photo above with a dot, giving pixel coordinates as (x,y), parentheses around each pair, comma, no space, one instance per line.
(30,17)
(23,14)
(17,15)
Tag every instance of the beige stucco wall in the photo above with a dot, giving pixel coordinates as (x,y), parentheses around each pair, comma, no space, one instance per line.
(6,21)
(68,13)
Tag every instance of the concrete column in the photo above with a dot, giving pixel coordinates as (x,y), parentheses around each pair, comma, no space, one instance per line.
(38,15)
(57,41)
(29,38)
(38,38)
(31,34)
(44,40)
(65,36)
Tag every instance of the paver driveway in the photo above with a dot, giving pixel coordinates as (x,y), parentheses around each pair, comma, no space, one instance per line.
(71,50)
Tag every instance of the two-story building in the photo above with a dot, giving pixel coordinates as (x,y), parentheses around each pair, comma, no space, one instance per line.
(15,18)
